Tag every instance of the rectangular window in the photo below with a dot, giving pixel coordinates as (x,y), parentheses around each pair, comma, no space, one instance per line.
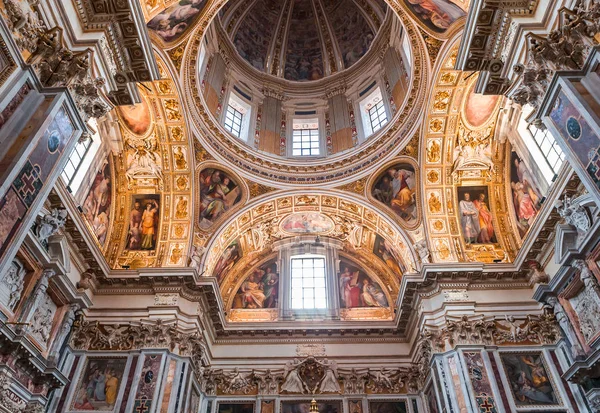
(305,137)
(233,121)
(75,161)
(547,144)
(305,142)
(377,116)
(308,283)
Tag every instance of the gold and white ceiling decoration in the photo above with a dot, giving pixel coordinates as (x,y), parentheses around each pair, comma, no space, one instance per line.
(337,169)
(461,154)
(353,221)
(154,170)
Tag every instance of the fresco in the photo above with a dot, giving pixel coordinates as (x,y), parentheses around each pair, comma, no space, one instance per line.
(357,289)
(171,23)
(236,408)
(260,289)
(218,193)
(304,57)
(438,15)
(143,222)
(526,196)
(136,117)
(528,379)
(384,250)
(387,407)
(307,223)
(229,258)
(479,107)
(30,180)
(397,189)
(476,218)
(583,141)
(99,384)
(352,31)
(304,406)
(256,32)
(96,207)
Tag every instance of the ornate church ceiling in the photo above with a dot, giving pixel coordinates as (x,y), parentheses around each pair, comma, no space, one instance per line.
(319,37)
(443,142)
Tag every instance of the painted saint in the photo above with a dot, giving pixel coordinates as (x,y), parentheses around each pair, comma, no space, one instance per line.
(396,188)
(438,15)
(260,289)
(475,216)
(143,222)
(384,250)
(96,207)
(357,289)
(528,379)
(99,385)
(228,259)
(525,194)
(218,193)
(174,21)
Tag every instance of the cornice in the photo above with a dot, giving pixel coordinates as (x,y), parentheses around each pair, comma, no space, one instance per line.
(338,169)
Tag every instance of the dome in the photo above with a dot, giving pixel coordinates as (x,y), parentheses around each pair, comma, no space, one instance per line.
(302,40)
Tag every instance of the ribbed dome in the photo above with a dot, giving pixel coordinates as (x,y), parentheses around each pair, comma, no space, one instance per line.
(302,40)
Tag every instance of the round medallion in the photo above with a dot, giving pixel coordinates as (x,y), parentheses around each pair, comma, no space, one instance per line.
(573,128)
(53,141)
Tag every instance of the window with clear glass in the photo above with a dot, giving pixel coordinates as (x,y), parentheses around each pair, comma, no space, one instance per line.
(75,161)
(547,144)
(305,137)
(233,121)
(542,146)
(308,289)
(377,116)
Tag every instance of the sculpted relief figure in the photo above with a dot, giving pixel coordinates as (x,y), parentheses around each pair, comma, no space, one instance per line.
(11,284)
(293,383)
(50,224)
(144,160)
(330,384)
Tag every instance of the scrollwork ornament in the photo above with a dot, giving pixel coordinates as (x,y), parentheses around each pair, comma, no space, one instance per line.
(574,214)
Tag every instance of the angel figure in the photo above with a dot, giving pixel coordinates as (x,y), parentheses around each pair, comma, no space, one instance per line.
(237,381)
(515,329)
(196,256)
(330,384)
(293,383)
(381,378)
(144,160)
(113,333)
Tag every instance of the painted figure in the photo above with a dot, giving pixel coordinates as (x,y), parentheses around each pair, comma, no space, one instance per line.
(469,219)
(172,22)
(486,228)
(148,225)
(218,193)
(397,189)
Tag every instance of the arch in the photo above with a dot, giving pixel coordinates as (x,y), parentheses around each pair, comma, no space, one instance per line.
(257,225)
